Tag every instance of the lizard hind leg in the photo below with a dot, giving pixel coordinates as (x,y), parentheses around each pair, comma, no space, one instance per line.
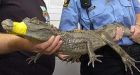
(126,59)
(129,62)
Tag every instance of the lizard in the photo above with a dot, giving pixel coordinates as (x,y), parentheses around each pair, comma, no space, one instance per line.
(75,42)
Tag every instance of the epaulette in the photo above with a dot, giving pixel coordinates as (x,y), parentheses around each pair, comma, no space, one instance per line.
(66,3)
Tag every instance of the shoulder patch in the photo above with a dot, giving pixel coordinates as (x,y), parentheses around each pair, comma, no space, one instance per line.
(66,3)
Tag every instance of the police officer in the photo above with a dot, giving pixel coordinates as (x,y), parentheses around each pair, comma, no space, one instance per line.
(93,14)
(15,50)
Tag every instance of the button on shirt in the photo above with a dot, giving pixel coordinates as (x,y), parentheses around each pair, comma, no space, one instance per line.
(101,12)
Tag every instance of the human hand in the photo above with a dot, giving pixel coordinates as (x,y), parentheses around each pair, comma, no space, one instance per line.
(135,30)
(119,34)
(65,57)
(62,56)
(49,47)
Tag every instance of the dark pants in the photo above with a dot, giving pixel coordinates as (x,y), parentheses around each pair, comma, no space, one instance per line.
(111,62)
(16,64)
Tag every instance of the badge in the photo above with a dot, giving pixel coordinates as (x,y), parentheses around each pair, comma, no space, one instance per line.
(66,3)
(45,14)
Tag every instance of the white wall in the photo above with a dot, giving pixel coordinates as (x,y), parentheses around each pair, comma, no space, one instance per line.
(54,10)
(62,68)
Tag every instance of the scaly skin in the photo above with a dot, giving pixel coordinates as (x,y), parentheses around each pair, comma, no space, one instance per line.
(76,43)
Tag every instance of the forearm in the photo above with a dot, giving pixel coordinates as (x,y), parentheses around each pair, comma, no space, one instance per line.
(138,19)
(10,43)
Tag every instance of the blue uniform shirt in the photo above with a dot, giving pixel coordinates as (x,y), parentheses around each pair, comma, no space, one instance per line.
(101,12)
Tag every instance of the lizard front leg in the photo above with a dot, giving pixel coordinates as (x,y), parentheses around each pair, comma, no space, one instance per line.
(92,56)
(34,58)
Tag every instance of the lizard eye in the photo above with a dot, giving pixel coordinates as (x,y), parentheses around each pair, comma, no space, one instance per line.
(35,20)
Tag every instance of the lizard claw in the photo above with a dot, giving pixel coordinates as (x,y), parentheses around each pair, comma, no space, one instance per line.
(31,59)
(34,58)
(129,62)
(94,58)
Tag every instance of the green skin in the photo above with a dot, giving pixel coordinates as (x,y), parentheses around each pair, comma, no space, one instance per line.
(76,43)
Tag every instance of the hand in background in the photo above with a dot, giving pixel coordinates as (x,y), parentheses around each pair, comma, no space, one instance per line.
(135,30)
(119,34)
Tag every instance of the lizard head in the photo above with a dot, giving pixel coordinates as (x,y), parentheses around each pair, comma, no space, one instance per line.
(27,24)
(31,28)
(35,24)
(7,25)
